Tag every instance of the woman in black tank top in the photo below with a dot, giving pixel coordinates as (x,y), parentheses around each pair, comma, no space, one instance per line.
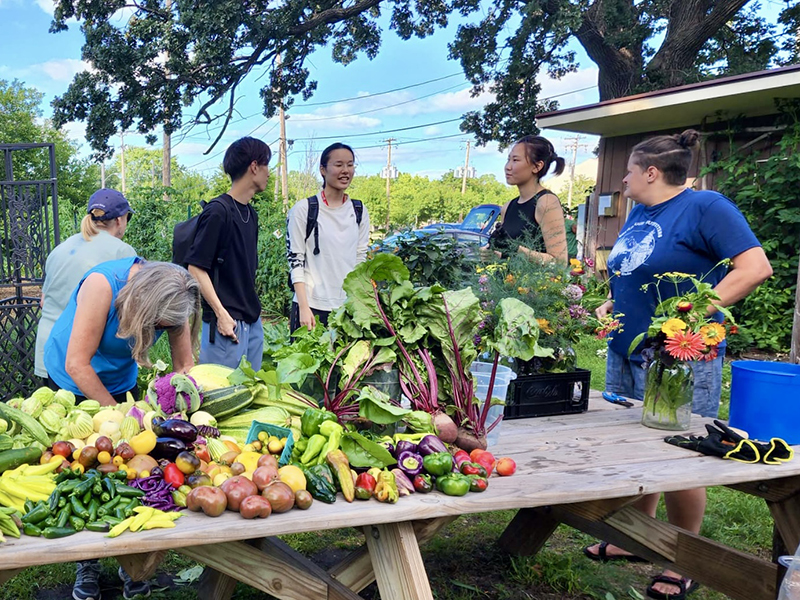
(536,213)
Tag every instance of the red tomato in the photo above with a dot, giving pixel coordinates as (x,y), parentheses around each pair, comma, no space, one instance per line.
(173,475)
(487,461)
(473,456)
(201,452)
(506,466)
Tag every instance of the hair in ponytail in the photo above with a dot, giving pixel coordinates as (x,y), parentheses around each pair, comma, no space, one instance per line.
(93,223)
(539,149)
(670,154)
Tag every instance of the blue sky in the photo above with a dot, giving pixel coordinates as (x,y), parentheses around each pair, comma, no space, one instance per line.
(49,61)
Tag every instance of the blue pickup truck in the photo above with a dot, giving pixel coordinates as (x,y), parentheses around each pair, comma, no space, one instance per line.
(474,230)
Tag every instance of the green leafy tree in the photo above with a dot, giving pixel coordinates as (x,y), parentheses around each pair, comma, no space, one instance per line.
(21,122)
(147,68)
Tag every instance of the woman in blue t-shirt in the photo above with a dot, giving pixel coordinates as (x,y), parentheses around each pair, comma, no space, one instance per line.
(113,318)
(672,228)
(536,213)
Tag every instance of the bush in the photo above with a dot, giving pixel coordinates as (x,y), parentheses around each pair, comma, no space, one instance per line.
(768,193)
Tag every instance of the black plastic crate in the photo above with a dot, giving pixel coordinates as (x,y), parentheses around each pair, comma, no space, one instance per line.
(548,394)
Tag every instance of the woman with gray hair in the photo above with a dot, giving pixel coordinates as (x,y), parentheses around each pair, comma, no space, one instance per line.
(113,318)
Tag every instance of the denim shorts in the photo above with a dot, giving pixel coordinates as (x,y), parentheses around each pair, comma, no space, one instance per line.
(627,378)
(224,351)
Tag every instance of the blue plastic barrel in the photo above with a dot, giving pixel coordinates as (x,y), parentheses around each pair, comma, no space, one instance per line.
(765,399)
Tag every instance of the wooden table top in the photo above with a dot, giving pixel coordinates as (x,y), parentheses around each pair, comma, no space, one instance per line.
(603,453)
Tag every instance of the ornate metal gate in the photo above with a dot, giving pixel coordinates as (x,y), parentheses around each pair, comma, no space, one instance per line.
(29,212)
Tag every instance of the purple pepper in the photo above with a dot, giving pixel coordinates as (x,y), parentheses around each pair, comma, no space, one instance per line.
(410,463)
(403,446)
(404,485)
(430,444)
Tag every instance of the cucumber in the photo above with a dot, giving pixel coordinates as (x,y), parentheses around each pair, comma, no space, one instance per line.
(11,459)
(226,401)
(28,423)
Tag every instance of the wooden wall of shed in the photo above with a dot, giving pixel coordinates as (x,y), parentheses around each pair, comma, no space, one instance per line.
(759,136)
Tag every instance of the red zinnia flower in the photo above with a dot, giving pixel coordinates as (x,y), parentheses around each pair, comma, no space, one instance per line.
(685,345)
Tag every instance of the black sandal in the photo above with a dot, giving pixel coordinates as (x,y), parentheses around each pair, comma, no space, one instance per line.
(602,555)
(686,587)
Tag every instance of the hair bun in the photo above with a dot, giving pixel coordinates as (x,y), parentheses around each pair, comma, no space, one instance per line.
(688,139)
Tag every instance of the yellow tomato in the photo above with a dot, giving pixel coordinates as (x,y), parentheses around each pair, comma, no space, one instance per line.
(293,477)
(103,457)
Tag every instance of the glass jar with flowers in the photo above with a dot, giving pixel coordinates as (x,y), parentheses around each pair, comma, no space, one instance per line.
(682,330)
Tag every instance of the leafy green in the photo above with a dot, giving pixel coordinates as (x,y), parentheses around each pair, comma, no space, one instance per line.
(295,367)
(362,452)
(376,406)
(517,331)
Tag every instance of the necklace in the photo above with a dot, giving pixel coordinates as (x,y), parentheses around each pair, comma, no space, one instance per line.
(239,212)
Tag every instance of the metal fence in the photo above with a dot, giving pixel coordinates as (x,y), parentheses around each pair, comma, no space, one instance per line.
(29,211)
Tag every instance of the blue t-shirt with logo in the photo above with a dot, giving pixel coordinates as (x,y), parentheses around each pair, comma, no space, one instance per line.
(689,233)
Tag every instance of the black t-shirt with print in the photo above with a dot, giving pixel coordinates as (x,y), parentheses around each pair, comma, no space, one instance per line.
(229,231)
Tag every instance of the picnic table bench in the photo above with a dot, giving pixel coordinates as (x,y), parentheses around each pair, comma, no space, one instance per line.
(584,470)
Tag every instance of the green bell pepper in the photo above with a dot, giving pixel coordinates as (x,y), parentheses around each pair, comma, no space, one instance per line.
(314,417)
(333,431)
(454,484)
(320,483)
(438,463)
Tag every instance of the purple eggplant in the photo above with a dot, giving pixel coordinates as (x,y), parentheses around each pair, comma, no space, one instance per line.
(168,448)
(403,446)
(430,444)
(410,463)
(404,485)
(176,428)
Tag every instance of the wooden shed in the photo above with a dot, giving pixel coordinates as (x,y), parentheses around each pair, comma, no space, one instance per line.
(709,107)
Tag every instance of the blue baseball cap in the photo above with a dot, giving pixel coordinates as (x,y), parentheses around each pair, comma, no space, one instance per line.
(111,202)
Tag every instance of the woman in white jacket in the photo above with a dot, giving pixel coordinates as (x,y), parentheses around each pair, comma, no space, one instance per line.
(322,251)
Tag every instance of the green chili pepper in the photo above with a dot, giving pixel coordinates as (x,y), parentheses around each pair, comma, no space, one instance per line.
(99,526)
(438,463)
(38,513)
(128,491)
(52,502)
(94,506)
(315,445)
(454,484)
(312,418)
(110,488)
(333,431)
(77,523)
(31,529)
(57,532)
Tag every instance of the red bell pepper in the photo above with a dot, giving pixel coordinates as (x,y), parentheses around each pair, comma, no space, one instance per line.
(173,475)
(471,468)
(365,486)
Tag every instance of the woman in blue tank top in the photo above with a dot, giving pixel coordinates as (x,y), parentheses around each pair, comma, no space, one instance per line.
(536,213)
(113,318)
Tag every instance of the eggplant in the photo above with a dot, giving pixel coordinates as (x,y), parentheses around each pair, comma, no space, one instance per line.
(168,448)
(430,444)
(410,463)
(176,428)
(404,446)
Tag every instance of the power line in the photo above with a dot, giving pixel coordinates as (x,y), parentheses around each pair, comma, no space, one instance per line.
(407,87)
(334,137)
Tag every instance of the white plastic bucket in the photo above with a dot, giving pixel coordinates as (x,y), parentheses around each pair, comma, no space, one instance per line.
(482,373)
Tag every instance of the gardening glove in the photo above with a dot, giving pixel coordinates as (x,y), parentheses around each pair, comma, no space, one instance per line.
(772,453)
(713,445)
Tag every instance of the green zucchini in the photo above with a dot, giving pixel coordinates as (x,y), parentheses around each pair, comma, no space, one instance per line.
(28,423)
(227,401)
(265,414)
(11,459)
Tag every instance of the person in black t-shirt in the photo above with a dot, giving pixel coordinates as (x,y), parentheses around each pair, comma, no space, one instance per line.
(223,259)
(536,211)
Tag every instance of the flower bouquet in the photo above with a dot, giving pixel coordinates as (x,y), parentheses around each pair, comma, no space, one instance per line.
(681,331)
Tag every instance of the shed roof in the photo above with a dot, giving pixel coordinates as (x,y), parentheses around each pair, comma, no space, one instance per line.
(750,94)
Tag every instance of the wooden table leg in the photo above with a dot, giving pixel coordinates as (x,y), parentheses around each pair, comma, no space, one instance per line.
(528,531)
(737,574)
(10,574)
(355,570)
(141,567)
(397,562)
(271,567)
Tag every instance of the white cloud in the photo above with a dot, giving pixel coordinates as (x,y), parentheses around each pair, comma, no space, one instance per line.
(565,90)
(47,6)
(432,130)
(62,69)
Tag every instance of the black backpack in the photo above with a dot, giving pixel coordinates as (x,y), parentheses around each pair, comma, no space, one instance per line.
(312,227)
(183,235)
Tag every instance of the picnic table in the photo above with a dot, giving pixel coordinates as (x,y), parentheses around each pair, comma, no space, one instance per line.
(584,470)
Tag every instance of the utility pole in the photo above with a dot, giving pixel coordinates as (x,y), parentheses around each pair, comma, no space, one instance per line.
(166,169)
(574,144)
(103,174)
(283,153)
(464,176)
(388,179)
(122,158)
